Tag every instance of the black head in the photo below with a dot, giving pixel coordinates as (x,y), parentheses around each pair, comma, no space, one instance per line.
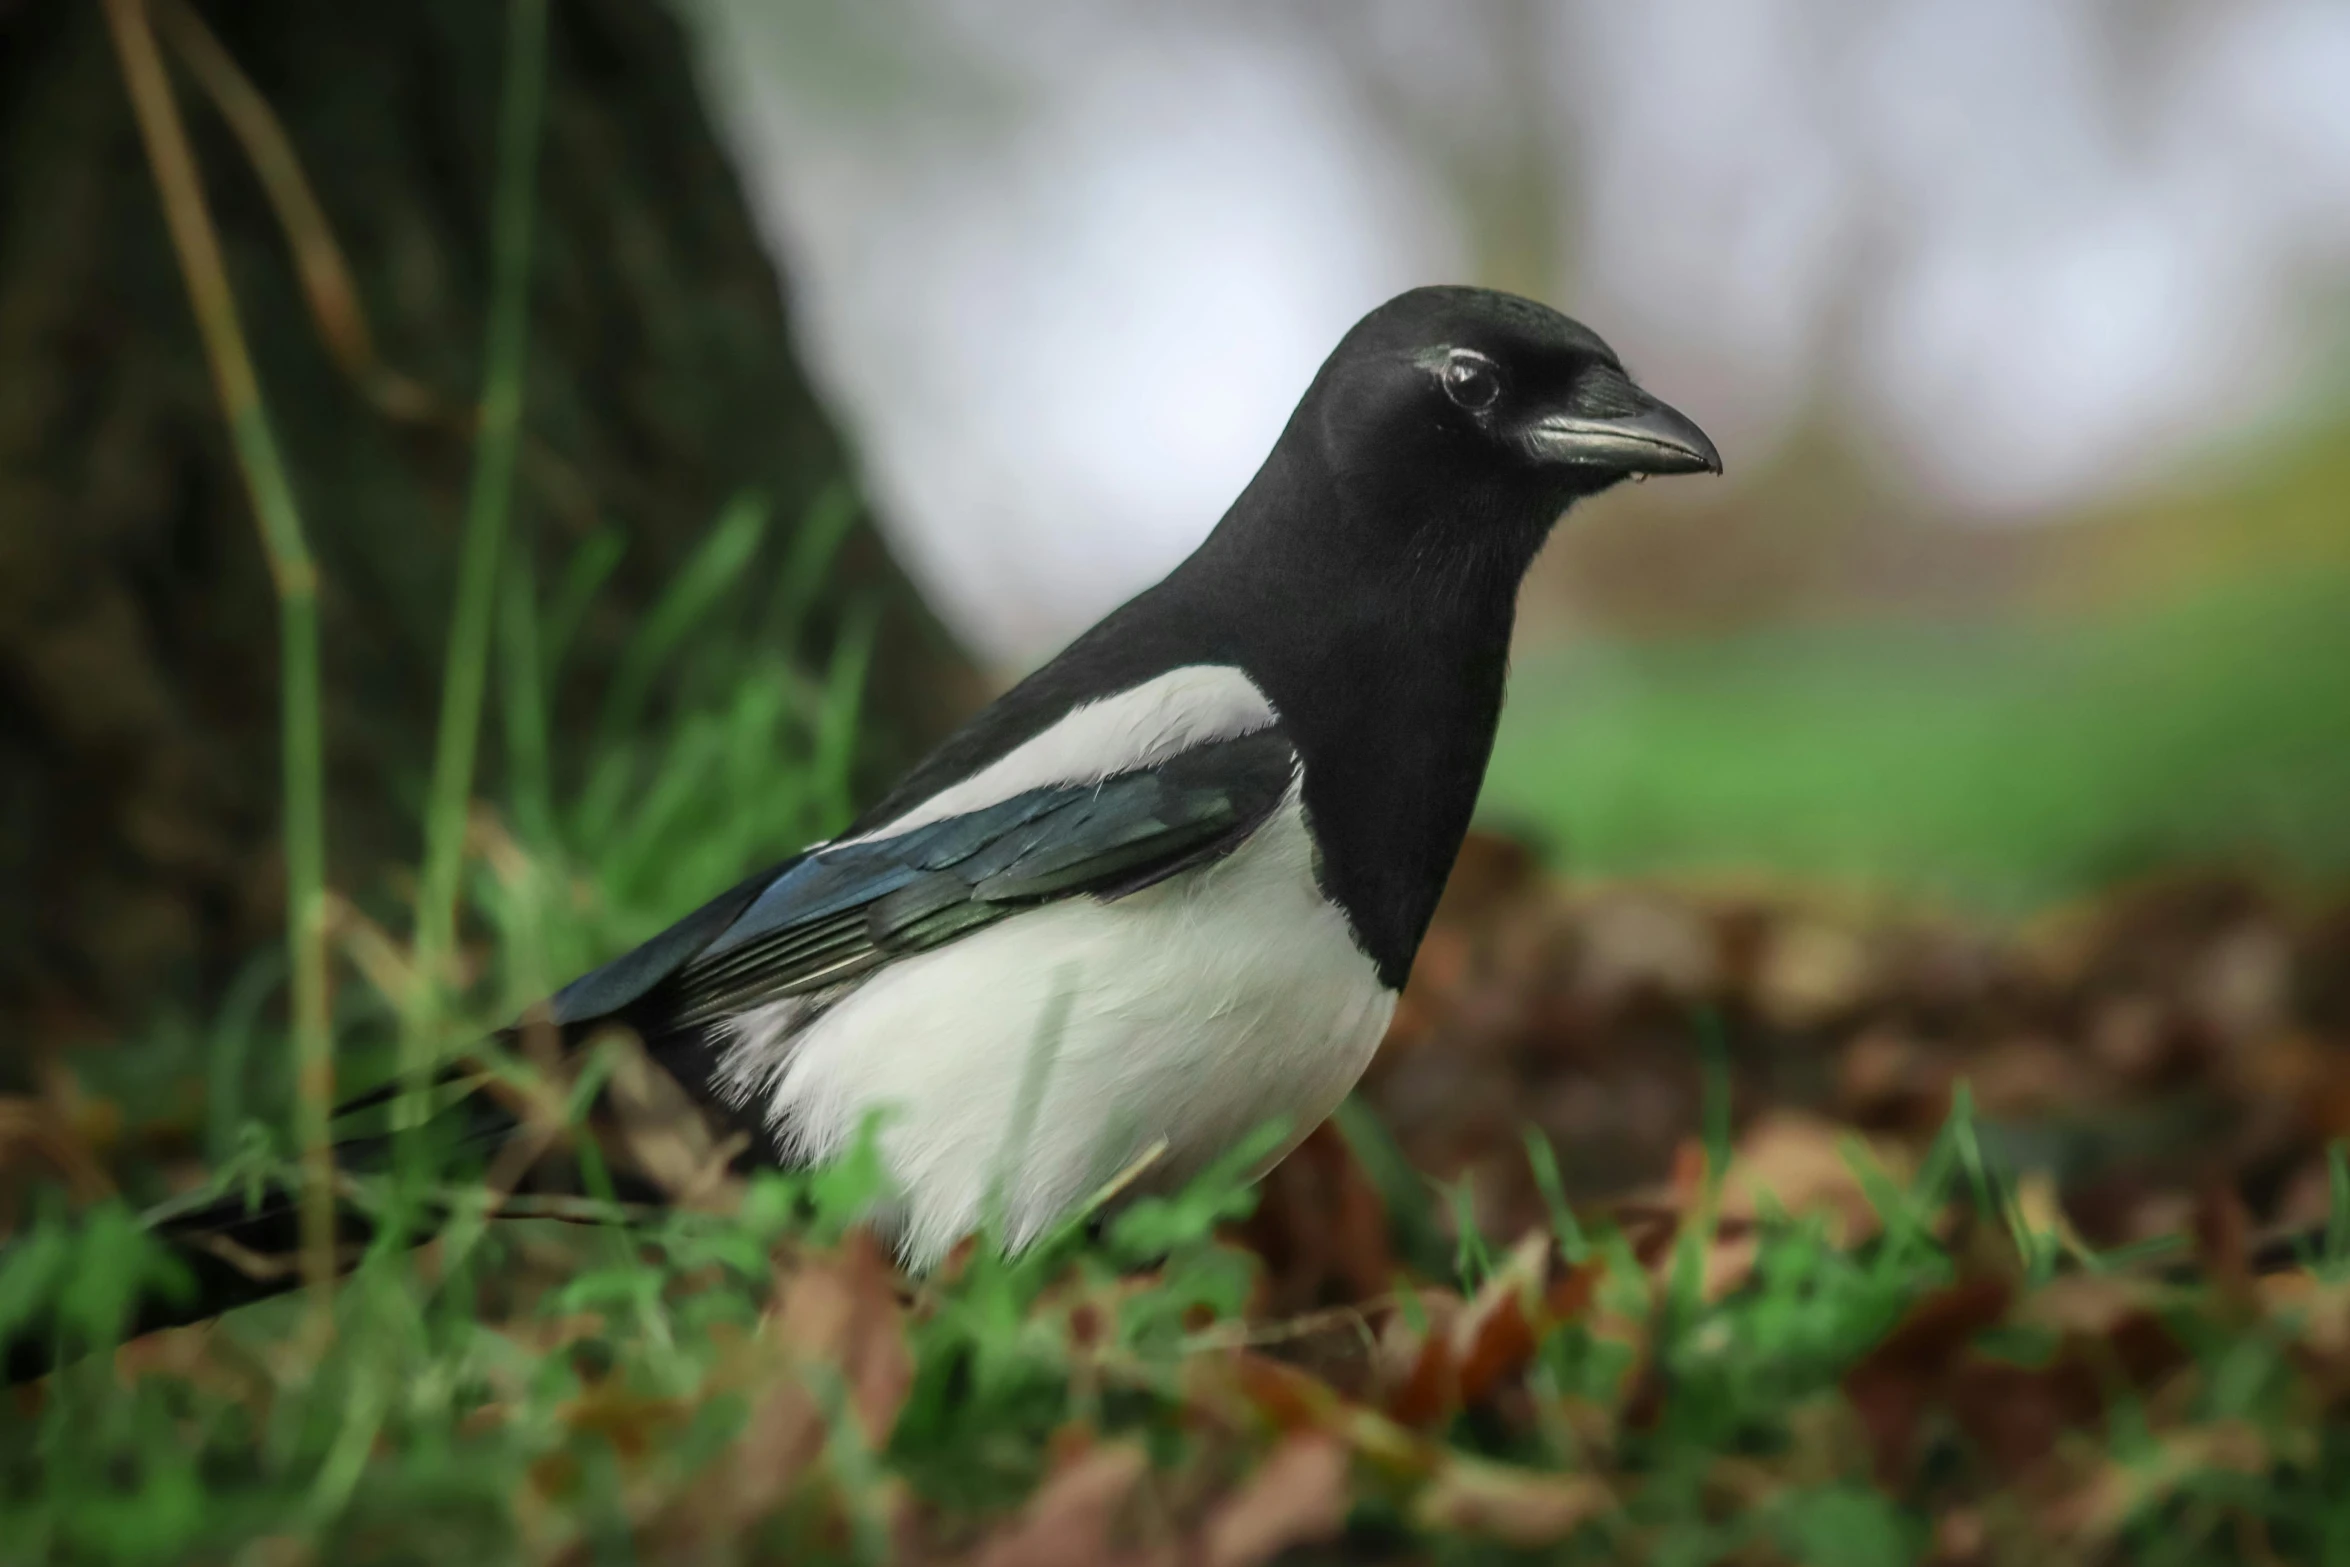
(1470,419)
(1367,578)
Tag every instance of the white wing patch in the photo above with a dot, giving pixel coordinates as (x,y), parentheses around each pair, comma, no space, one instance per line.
(1135,728)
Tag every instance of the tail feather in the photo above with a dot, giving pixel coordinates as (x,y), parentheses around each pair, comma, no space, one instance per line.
(235,1249)
(654,1121)
(228,1253)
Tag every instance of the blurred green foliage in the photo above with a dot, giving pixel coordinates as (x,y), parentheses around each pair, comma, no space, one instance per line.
(2167,680)
(2006,764)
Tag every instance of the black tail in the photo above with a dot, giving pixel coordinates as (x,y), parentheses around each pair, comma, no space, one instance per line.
(228,1255)
(655,1136)
(233,1250)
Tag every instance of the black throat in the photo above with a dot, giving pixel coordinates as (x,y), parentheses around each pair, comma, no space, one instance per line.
(1388,680)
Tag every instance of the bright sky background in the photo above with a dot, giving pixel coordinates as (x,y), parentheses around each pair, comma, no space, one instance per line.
(1065,266)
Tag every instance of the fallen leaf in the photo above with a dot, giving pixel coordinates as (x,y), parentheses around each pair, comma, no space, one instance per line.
(836,1318)
(1297,1495)
(1809,972)
(2015,1415)
(1496,1336)
(1518,1507)
(1897,1382)
(2117,1492)
(1321,1229)
(1282,1396)
(1797,1163)
(2087,1305)
(1071,1519)
(2317,1313)
(1463,1353)
(842,1312)
(1421,1387)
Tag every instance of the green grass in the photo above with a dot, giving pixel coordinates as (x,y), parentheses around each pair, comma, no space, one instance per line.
(584,1394)
(293,576)
(2004,764)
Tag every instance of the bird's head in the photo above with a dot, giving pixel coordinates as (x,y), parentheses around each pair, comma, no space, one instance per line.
(1485,415)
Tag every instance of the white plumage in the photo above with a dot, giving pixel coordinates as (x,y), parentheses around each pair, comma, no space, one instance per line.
(1194,1010)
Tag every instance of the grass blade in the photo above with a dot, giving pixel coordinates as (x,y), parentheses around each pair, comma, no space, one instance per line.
(530,777)
(487,505)
(181,188)
(1542,1159)
(2337,1242)
(714,570)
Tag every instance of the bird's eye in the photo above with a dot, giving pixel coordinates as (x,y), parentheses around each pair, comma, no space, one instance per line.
(1471,382)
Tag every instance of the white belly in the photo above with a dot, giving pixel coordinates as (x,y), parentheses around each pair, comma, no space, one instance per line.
(1193,1011)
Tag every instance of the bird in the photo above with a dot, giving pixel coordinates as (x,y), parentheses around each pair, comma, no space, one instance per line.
(1179,872)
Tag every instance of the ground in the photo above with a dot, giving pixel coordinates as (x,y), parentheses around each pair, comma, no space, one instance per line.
(1673,1223)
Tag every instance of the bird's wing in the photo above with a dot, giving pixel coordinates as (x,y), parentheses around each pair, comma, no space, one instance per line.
(843,910)
(601,992)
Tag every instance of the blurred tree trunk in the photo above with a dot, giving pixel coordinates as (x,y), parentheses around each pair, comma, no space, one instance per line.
(138,687)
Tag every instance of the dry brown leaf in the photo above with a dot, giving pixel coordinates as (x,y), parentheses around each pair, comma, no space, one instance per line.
(1257,1385)
(1797,1162)
(1894,1384)
(1072,1518)
(1462,1353)
(1960,1538)
(2016,1415)
(1421,1386)
(2087,1304)
(1299,1494)
(2115,1492)
(1321,1229)
(1643,943)
(1495,1342)
(836,1316)
(1519,1507)
(1243,1389)
(1810,971)
(1496,1336)
(843,1312)
(2317,1312)
(1656,1233)
(278,1550)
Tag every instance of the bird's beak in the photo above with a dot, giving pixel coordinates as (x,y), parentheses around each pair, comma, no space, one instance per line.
(1649,438)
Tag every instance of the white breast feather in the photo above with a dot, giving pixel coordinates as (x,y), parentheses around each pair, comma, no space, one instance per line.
(1195,1011)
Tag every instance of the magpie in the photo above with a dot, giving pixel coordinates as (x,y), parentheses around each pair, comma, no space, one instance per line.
(1180,871)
